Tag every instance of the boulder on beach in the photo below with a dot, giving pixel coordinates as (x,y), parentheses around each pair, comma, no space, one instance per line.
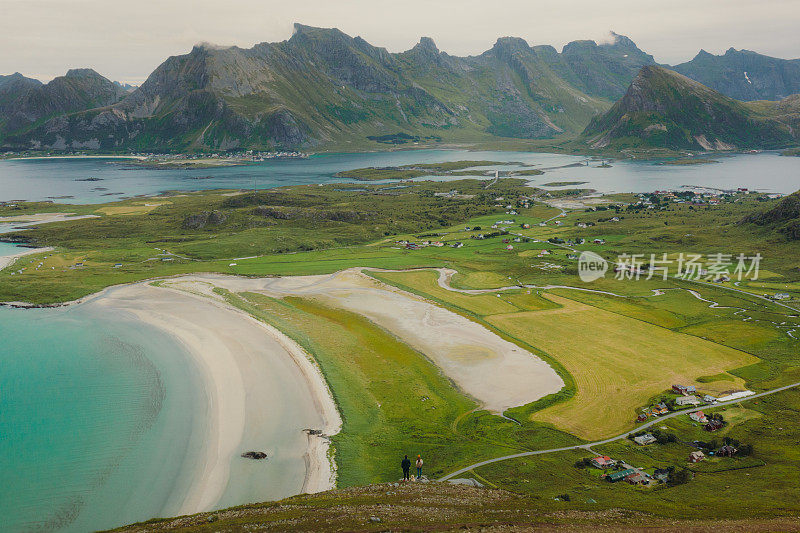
(254,455)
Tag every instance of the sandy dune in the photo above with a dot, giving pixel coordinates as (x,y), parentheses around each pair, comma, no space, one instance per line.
(495,372)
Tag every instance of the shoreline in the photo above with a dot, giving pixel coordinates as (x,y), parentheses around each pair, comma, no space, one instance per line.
(237,355)
(8,260)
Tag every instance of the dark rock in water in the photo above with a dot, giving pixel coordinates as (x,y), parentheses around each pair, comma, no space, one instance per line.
(254,455)
(314,431)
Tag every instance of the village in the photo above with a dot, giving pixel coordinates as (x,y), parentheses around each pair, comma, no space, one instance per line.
(682,398)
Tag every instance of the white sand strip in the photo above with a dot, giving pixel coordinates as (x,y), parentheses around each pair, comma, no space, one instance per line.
(497,373)
(262,391)
(8,260)
(42,218)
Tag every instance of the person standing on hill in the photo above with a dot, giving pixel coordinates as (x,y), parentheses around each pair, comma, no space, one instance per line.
(419,466)
(406,465)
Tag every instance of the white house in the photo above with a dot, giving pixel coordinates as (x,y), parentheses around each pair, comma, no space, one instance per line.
(644,440)
(687,400)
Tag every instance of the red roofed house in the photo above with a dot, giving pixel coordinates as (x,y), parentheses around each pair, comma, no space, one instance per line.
(696,456)
(698,416)
(603,462)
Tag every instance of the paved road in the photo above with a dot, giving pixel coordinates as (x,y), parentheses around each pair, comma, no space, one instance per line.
(612,439)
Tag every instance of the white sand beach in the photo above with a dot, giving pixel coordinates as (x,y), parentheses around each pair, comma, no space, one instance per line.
(497,373)
(262,392)
(8,260)
(41,218)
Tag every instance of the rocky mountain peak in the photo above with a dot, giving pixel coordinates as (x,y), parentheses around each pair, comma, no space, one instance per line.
(82,73)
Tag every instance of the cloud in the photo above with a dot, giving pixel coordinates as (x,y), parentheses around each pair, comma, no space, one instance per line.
(47,37)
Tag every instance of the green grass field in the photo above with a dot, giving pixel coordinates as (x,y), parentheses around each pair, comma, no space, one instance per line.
(615,353)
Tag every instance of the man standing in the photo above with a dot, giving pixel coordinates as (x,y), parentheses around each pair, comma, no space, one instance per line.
(406,465)
(419,466)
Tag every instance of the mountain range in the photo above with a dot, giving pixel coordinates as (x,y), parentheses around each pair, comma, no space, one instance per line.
(665,109)
(322,87)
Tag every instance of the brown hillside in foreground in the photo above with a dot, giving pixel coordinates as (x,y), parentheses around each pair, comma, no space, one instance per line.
(435,507)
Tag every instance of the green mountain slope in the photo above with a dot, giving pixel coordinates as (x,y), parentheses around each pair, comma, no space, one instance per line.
(668,110)
(25,103)
(323,87)
(784,217)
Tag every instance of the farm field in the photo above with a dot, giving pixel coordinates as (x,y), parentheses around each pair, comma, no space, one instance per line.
(646,359)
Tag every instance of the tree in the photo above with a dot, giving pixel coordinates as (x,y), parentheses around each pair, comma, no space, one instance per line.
(679,477)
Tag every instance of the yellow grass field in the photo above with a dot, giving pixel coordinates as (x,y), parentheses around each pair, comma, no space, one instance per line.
(618,363)
(131,209)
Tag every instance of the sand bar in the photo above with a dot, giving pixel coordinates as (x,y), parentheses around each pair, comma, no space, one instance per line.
(497,373)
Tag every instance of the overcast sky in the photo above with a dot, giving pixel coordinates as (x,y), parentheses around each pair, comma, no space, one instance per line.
(126,40)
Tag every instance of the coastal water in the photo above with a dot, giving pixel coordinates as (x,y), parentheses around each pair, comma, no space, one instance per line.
(96,420)
(62,180)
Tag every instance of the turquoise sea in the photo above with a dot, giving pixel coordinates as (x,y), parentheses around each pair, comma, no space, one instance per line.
(96,424)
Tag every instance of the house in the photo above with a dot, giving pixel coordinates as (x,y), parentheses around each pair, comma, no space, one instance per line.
(644,440)
(679,389)
(599,241)
(637,478)
(615,219)
(714,425)
(659,409)
(696,456)
(526,226)
(687,400)
(603,462)
(709,399)
(661,475)
(782,296)
(542,224)
(727,451)
(457,245)
(691,389)
(509,247)
(698,416)
(622,474)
